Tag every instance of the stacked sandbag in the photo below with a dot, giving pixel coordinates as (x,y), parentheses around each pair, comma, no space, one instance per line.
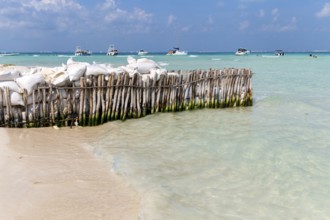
(12,85)
(96,69)
(76,70)
(9,75)
(142,66)
(18,79)
(30,82)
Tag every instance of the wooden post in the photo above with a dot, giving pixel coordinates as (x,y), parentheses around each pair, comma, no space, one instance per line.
(81,102)
(103,93)
(8,116)
(2,121)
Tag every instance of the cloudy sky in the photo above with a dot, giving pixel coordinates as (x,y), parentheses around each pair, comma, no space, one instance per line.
(158,25)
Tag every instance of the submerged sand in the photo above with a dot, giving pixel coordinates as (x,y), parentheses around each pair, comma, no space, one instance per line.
(47,174)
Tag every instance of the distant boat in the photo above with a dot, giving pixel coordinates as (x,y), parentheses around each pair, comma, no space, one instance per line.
(142,52)
(177,51)
(279,53)
(313,55)
(242,51)
(112,51)
(81,52)
(2,54)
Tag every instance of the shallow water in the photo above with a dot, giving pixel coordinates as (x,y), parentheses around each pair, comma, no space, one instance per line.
(268,161)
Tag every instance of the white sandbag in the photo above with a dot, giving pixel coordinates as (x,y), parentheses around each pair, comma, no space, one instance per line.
(77,83)
(131,73)
(95,69)
(145,77)
(173,74)
(145,65)
(32,71)
(155,73)
(106,65)
(131,60)
(9,75)
(47,73)
(15,99)
(130,68)
(76,70)
(70,61)
(60,79)
(12,85)
(117,70)
(30,82)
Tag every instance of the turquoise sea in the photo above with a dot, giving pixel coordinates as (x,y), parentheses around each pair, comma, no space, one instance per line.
(268,161)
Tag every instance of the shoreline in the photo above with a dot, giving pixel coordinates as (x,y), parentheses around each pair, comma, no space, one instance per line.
(48,174)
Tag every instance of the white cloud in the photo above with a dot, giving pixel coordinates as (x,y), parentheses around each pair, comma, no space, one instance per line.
(325,11)
(115,15)
(11,24)
(51,16)
(262,13)
(275,14)
(108,4)
(171,19)
(141,15)
(52,5)
(245,3)
(186,28)
(291,26)
(244,25)
(123,15)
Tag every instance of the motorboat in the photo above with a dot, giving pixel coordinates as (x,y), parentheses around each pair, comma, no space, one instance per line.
(279,53)
(142,52)
(112,51)
(3,54)
(177,51)
(81,52)
(242,51)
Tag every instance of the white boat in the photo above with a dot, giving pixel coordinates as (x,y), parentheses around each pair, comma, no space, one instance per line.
(81,52)
(279,53)
(112,51)
(2,54)
(142,52)
(242,51)
(177,51)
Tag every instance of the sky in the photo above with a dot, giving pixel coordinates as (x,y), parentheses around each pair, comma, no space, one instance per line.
(159,25)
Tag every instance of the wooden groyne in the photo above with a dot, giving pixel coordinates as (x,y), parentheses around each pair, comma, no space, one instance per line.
(95,100)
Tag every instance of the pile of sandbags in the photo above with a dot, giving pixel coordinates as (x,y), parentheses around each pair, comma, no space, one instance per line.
(18,79)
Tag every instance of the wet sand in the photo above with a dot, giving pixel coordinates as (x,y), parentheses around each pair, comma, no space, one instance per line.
(47,174)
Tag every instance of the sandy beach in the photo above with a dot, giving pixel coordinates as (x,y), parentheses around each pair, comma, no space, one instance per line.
(48,174)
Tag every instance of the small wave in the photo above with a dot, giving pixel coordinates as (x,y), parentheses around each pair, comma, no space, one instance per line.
(163,63)
(147,56)
(193,56)
(270,56)
(36,55)
(216,59)
(64,56)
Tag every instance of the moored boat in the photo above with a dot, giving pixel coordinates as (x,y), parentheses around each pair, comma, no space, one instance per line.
(242,51)
(279,53)
(2,54)
(142,52)
(177,51)
(81,52)
(112,51)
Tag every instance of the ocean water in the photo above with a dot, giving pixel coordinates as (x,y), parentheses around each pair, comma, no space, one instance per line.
(268,161)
